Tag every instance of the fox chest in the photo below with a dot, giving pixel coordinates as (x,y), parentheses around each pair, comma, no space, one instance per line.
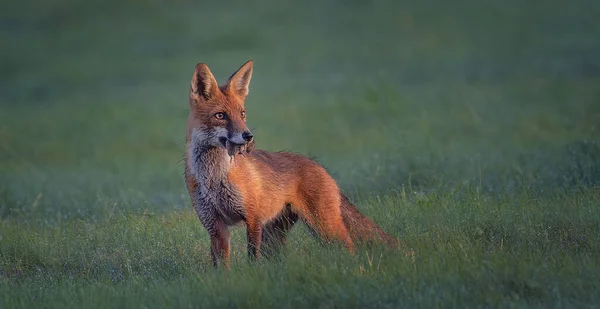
(220,198)
(215,197)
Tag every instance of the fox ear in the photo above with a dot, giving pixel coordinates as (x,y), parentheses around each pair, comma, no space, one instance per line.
(239,81)
(204,85)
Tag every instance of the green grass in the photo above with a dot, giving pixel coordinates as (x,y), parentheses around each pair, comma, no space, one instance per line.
(470,131)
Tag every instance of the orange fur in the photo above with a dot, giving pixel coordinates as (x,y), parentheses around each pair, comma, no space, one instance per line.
(268,191)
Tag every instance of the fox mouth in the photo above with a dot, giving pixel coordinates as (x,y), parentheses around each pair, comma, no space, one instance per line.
(233,148)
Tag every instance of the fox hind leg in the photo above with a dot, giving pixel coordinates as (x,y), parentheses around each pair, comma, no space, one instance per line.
(323,219)
(275,233)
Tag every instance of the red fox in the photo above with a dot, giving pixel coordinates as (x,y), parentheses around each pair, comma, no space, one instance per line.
(230,182)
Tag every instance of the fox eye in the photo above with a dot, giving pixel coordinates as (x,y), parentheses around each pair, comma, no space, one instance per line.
(220,116)
(243,114)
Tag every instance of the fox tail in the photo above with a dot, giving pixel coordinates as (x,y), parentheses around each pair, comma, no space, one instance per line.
(362,229)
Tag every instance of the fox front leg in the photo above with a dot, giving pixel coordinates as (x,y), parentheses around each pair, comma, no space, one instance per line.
(254,235)
(219,236)
(219,244)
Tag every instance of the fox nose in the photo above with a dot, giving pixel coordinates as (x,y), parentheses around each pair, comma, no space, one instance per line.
(247,136)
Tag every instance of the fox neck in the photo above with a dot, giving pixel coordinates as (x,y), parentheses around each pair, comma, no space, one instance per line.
(210,165)
(205,161)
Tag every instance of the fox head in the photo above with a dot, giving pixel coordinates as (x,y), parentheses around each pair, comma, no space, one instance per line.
(217,114)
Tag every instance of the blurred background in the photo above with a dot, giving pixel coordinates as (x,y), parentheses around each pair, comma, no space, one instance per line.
(427,95)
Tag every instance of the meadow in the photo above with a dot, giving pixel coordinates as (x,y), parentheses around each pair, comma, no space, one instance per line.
(470,130)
